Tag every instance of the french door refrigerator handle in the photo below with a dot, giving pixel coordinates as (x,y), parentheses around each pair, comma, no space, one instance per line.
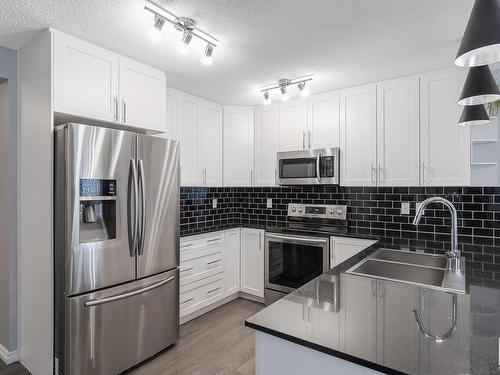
(142,226)
(95,302)
(132,201)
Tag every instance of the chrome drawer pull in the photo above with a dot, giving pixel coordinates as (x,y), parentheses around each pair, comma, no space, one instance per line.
(187,244)
(214,239)
(213,261)
(213,290)
(187,269)
(95,302)
(186,301)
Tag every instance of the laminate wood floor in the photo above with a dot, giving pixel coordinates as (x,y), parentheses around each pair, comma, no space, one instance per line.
(13,369)
(217,343)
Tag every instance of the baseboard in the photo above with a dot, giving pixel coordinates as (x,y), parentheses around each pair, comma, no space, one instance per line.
(252,297)
(8,357)
(204,310)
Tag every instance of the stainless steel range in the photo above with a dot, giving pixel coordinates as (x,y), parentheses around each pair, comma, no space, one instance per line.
(300,251)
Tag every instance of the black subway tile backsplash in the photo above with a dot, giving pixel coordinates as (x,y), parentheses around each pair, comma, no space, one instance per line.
(372,211)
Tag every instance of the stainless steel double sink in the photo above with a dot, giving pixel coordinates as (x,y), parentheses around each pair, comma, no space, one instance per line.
(420,269)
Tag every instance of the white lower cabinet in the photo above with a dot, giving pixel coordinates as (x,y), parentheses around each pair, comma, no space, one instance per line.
(232,245)
(342,248)
(252,261)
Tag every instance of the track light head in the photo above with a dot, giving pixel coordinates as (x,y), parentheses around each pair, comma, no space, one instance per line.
(284,94)
(304,91)
(267,98)
(183,44)
(155,32)
(207,57)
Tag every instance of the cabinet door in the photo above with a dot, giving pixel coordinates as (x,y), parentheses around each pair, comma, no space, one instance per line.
(397,336)
(358,326)
(142,96)
(238,146)
(358,136)
(266,144)
(186,128)
(445,148)
(342,248)
(210,143)
(85,79)
(398,132)
(232,258)
(252,262)
(293,125)
(324,120)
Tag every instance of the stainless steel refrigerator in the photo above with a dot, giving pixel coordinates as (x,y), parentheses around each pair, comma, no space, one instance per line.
(116,248)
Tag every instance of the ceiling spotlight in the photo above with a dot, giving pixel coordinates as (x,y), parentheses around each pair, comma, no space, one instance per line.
(304,91)
(155,32)
(207,57)
(481,41)
(183,44)
(480,87)
(267,98)
(474,115)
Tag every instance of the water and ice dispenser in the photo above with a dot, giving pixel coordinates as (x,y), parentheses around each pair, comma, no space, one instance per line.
(97,210)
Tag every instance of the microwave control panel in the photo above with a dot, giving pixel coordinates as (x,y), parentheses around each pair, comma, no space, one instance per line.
(337,212)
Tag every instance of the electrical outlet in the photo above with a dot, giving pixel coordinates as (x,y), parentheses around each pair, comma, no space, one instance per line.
(214,203)
(405,208)
(269,203)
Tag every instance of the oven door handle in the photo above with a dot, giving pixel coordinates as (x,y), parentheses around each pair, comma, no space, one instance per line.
(318,171)
(307,239)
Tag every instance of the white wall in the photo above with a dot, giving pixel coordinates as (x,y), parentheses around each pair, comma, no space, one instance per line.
(8,206)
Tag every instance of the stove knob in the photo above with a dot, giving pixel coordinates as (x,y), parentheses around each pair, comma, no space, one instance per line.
(331,211)
(339,211)
(301,209)
(293,208)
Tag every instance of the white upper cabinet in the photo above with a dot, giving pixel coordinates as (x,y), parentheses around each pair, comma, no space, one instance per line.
(142,95)
(210,144)
(186,118)
(358,136)
(293,125)
(267,135)
(95,83)
(85,79)
(238,145)
(324,120)
(445,146)
(398,132)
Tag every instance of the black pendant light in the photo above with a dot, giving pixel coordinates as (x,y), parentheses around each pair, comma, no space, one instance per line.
(480,87)
(481,42)
(474,115)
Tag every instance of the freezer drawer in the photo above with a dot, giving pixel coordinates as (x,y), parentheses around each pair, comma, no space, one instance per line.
(112,330)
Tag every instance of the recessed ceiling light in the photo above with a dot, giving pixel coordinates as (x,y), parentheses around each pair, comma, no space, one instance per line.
(207,57)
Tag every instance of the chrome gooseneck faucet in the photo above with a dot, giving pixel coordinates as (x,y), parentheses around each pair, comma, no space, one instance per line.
(454,254)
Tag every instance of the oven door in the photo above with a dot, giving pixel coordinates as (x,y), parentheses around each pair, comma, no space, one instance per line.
(308,167)
(291,261)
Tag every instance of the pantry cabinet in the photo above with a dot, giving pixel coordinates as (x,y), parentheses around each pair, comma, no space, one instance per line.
(266,144)
(445,146)
(252,261)
(97,84)
(238,146)
(398,132)
(358,136)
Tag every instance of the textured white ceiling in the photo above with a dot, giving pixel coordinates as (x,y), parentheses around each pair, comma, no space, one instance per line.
(343,42)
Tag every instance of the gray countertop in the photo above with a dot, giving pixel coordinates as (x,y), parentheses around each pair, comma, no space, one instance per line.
(371,322)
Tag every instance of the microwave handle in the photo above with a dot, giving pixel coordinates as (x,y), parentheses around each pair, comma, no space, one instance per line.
(318,160)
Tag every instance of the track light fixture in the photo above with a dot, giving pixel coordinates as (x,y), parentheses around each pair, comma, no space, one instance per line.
(206,58)
(185,25)
(267,99)
(283,85)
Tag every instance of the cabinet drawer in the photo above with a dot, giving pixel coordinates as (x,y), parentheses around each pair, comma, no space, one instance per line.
(203,263)
(200,294)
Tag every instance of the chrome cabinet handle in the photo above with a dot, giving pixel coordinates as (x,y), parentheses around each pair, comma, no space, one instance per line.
(214,239)
(380,171)
(95,302)
(303,139)
(275,176)
(251,177)
(124,111)
(187,269)
(186,301)
(142,227)
(374,288)
(318,171)
(260,241)
(424,172)
(132,204)
(205,176)
(213,261)
(213,290)
(115,109)
(309,139)
(374,182)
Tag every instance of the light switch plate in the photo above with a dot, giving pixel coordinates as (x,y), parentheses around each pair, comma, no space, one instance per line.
(269,203)
(405,208)
(214,203)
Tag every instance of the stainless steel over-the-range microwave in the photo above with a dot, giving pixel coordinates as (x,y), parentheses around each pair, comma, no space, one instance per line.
(308,167)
